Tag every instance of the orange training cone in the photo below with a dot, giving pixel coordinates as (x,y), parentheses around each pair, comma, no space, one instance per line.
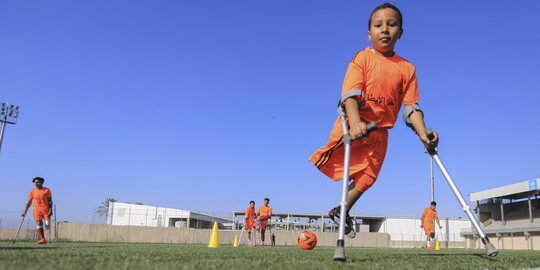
(214,237)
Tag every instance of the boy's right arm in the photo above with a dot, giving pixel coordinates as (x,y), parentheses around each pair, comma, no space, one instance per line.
(357,128)
(26,208)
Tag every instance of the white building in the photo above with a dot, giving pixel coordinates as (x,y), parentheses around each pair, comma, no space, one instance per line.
(127,214)
(509,215)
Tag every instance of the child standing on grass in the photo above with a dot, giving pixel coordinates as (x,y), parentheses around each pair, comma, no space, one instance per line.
(264,214)
(428,216)
(41,198)
(387,81)
(250,222)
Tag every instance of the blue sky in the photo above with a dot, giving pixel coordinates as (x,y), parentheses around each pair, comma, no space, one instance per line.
(206,105)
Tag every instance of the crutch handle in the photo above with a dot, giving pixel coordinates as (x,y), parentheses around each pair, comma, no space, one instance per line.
(429,133)
(370,128)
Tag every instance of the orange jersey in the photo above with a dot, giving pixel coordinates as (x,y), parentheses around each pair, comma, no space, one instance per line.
(250,215)
(387,82)
(264,212)
(40,198)
(428,216)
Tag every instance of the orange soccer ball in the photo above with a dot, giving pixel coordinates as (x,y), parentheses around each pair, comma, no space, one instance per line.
(307,240)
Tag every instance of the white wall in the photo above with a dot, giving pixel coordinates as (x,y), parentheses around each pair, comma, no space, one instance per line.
(408,228)
(142,215)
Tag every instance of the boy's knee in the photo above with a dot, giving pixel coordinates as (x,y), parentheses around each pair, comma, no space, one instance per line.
(432,235)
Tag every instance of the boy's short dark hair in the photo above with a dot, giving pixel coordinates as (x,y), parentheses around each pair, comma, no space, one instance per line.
(434,203)
(383,6)
(40,179)
(251,202)
(266,199)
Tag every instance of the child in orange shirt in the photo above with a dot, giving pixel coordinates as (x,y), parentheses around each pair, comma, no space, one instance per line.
(264,213)
(250,222)
(387,81)
(41,198)
(428,216)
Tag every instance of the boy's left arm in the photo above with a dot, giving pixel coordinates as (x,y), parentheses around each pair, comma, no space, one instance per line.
(417,120)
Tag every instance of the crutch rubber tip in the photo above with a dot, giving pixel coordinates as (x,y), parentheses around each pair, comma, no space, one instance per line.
(491,251)
(339,255)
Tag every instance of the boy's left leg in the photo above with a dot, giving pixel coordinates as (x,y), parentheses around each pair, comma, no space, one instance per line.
(39,215)
(361,182)
(263,232)
(429,237)
(41,234)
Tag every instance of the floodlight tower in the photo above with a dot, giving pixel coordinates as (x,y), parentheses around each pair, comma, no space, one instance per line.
(8,115)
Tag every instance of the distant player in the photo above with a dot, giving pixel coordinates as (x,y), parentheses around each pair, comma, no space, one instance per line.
(41,198)
(428,216)
(264,214)
(250,222)
(386,81)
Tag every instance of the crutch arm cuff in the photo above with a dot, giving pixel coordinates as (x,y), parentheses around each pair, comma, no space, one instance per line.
(352,93)
(408,111)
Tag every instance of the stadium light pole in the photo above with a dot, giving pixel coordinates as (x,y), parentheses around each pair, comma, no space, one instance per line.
(8,115)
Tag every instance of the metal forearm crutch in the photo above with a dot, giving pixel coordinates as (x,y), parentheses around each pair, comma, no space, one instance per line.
(339,254)
(18,230)
(490,248)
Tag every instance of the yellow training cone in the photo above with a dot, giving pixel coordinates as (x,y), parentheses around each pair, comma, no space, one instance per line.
(235,244)
(214,237)
(437,245)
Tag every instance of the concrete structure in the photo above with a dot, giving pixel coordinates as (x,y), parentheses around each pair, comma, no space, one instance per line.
(141,234)
(127,214)
(509,215)
(403,231)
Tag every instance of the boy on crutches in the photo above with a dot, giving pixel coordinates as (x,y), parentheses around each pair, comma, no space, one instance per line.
(377,82)
(250,223)
(41,199)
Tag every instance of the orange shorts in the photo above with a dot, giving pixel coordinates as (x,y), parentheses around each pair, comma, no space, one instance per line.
(429,229)
(367,156)
(264,224)
(41,214)
(251,225)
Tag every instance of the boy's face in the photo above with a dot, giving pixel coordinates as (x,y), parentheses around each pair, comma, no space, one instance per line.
(38,183)
(385,30)
(251,204)
(266,202)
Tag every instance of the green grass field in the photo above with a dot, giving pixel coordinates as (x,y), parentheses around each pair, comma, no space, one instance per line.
(25,255)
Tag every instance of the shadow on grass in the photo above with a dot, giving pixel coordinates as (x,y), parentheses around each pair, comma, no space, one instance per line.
(483,256)
(29,248)
(453,254)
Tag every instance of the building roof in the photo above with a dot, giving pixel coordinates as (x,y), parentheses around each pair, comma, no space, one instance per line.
(514,191)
